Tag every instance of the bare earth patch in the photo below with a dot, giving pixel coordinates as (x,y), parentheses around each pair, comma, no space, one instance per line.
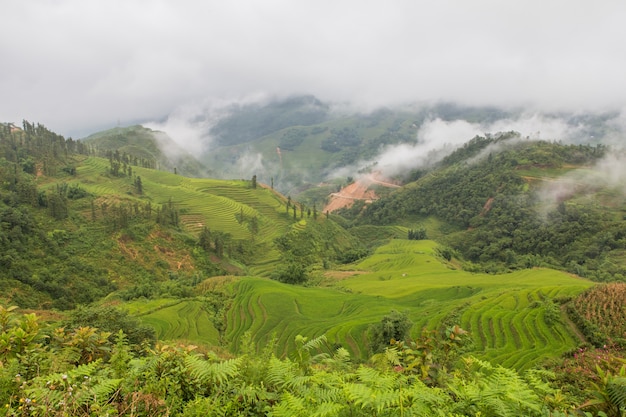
(358,190)
(339,275)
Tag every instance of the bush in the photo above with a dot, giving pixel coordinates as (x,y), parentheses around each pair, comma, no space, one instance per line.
(111,319)
(393,326)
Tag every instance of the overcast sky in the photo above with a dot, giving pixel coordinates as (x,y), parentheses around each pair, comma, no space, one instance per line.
(78,66)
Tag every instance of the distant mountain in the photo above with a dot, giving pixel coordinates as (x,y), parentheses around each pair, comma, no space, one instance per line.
(300,142)
(250,122)
(148,145)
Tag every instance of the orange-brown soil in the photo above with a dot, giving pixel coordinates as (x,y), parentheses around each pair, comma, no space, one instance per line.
(358,190)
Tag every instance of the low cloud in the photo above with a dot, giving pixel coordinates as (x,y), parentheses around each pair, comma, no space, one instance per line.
(184,132)
(609,172)
(249,164)
(437,138)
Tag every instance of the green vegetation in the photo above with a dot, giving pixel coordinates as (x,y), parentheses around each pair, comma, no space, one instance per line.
(599,313)
(503,220)
(81,372)
(505,314)
(62,227)
(127,262)
(144,147)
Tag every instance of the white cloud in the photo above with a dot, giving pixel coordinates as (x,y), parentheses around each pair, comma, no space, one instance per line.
(75,65)
(437,138)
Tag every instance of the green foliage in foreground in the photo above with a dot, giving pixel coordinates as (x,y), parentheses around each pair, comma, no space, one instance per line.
(39,379)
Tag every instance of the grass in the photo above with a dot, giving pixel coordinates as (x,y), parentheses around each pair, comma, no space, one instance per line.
(504,313)
(201,202)
(177,319)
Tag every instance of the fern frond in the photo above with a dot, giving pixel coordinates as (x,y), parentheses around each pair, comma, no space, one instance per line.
(327,409)
(384,400)
(392,356)
(537,379)
(358,394)
(616,390)
(375,378)
(102,391)
(298,383)
(497,391)
(315,343)
(289,406)
(425,401)
(216,373)
(279,373)
(326,386)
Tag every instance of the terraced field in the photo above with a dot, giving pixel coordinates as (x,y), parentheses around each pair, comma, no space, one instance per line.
(504,313)
(201,202)
(177,320)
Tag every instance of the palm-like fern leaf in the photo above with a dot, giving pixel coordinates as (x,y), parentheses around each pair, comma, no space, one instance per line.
(216,373)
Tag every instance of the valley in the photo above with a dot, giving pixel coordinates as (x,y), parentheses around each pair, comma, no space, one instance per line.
(456,263)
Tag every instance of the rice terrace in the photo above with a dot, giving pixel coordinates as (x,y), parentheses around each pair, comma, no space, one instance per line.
(505,314)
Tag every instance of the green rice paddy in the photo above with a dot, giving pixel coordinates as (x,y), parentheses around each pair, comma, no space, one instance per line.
(504,313)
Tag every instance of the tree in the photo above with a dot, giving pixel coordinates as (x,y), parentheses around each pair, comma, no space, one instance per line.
(93,211)
(393,326)
(139,185)
(204,240)
(57,206)
(111,319)
(240,216)
(292,272)
(254,182)
(253,226)
(417,234)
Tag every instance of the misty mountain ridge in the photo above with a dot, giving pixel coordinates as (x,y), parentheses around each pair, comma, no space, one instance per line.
(156,148)
(326,141)
(298,142)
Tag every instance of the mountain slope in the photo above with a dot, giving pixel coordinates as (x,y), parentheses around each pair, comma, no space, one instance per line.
(521,203)
(151,148)
(76,228)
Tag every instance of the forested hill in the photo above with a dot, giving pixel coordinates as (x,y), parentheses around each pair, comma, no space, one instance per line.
(148,147)
(518,203)
(75,227)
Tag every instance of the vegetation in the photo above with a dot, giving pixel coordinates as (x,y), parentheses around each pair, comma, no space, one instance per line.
(504,222)
(139,146)
(86,374)
(600,315)
(166,232)
(361,315)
